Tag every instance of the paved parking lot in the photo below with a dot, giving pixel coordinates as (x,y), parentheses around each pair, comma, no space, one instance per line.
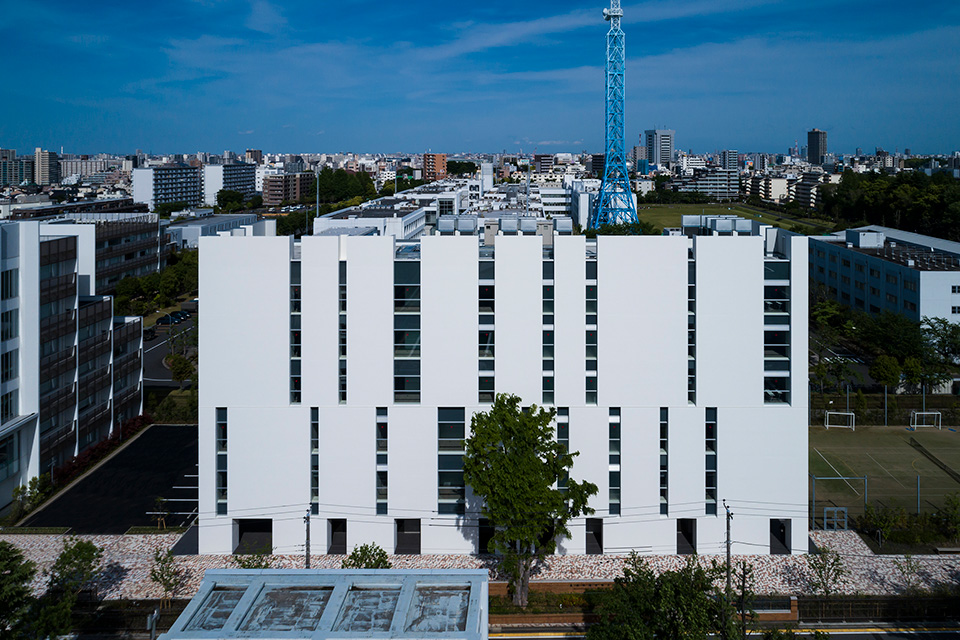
(162,461)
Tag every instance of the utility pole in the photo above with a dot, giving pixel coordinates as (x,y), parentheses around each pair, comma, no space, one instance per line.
(314,226)
(306,521)
(726,609)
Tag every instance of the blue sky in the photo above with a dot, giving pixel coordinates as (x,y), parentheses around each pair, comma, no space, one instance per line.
(323,76)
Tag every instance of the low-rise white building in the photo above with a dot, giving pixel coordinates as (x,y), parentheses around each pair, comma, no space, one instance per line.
(677,365)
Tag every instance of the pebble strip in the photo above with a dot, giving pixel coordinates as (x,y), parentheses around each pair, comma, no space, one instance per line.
(127,560)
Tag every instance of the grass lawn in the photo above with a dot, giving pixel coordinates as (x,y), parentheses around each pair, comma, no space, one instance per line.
(891,465)
(669,215)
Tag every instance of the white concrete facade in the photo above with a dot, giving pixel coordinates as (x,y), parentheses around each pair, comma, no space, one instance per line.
(234,177)
(643,355)
(70,369)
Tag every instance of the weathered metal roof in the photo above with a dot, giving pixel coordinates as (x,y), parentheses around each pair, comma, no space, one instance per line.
(381,603)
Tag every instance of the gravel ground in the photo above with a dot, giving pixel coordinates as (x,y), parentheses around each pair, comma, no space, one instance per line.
(128,558)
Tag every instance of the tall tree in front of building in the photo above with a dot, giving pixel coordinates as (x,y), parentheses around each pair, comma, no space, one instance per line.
(514,464)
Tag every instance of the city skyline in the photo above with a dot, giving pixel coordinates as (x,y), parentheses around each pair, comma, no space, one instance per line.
(211,75)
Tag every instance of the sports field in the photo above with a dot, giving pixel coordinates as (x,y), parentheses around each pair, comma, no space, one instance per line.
(891,464)
(668,215)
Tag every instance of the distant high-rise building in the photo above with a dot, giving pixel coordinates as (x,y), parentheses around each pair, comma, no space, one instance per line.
(254,156)
(660,145)
(730,159)
(434,166)
(46,167)
(486,176)
(543,163)
(816,146)
(596,163)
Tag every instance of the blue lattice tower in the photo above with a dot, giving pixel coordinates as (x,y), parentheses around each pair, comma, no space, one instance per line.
(615,202)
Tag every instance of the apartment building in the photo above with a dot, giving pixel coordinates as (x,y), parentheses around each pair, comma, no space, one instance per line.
(769,188)
(434,166)
(373,354)
(46,167)
(167,184)
(717,184)
(877,269)
(71,371)
(286,187)
(233,177)
(15,171)
(127,244)
(543,163)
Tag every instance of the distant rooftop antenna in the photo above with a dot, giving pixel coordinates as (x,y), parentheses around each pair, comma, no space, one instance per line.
(615,200)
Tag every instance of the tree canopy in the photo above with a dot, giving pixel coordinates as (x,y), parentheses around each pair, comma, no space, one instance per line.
(909,200)
(681,604)
(514,464)
(458,168)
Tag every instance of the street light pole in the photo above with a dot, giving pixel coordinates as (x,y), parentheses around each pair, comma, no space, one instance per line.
(726,609)
(306,521)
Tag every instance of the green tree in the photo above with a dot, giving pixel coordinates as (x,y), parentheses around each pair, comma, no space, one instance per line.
(514,464)
(367,556)
(16,598)
(164,210)
(827,570)
(886,371)
(167,575)
(641,228)
(260,559)
(256,202)
(681,604)
(229,200)
(180,368)
(75,567)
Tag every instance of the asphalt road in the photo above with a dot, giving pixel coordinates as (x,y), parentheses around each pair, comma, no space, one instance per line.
(162,461)
(154,351)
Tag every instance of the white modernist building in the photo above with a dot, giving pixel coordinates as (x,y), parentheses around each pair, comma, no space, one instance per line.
(70,372)
(677,365)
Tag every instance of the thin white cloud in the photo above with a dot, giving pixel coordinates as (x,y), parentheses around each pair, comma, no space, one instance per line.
(265,17)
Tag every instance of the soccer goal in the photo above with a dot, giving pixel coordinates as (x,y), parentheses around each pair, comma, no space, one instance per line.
(840,419)
(925,419)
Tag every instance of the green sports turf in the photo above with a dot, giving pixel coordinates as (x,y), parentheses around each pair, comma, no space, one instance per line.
(669,215)
(891,465)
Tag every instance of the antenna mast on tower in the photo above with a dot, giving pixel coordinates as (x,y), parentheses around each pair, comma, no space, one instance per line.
(615,203)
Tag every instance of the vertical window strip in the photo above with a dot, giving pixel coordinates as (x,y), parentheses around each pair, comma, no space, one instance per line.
(296,337)
(710,474)
(563,438)
(342,334)
(614,470)
(691,328)
(451,488)
(220,433)
(664,461)
(486,307)
(314,460)
(381,470)
(776,342)
(547,343)
(406,340)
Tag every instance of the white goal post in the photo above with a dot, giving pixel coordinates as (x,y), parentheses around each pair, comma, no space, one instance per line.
(925,419)
(840,419)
